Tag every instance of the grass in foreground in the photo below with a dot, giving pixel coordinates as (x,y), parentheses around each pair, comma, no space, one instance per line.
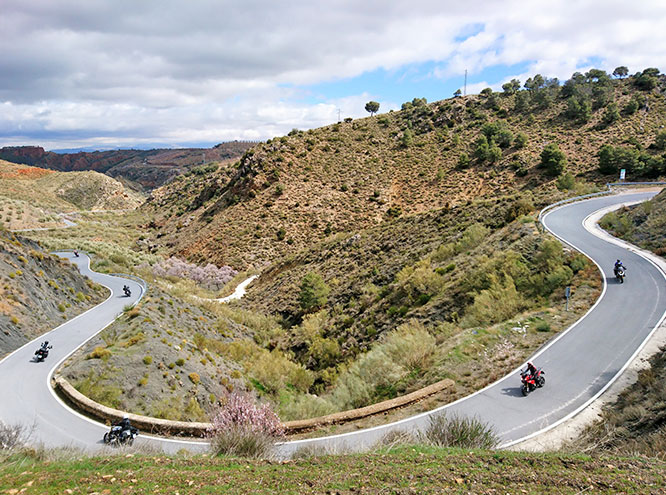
(406,469)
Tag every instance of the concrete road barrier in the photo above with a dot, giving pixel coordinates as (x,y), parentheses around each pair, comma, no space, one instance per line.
(193,429)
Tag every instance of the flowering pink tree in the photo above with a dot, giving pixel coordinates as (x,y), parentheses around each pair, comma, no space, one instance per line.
(209,276)
(242,412)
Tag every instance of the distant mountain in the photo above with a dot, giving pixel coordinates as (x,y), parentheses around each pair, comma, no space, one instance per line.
(32,197)
(147,168)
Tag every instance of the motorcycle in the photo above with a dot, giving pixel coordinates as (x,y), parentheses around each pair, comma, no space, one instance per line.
(531,382)
(42,353)
(619,275)
(127,291)
(117,436)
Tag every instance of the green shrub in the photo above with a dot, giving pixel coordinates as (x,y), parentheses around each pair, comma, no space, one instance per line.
(314,292)
(463,161)
(498,303)
(93,388)
(180,361)
(194,377)
(565,182)
(472,237)
(443,270)
(147,360)
(80,296)
(553,160)
(542,326)
(61,307)
(461,432)
(386,369)
(99,353)
(520,141)
(577,263)
(273,371)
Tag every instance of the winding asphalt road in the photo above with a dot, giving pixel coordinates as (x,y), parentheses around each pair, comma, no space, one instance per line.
(580,363)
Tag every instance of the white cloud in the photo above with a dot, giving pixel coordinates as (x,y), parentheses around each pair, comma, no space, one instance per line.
(169,70)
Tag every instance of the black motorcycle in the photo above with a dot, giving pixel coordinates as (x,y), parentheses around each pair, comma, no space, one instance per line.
(43,352)
(127,291)
(119,436)
(619,274)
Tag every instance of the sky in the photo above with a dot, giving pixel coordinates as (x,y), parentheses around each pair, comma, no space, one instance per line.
(105,74)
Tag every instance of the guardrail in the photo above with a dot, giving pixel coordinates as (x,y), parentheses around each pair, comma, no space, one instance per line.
(571,200)
(170,427)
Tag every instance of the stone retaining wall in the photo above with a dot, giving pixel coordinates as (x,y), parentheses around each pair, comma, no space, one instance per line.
(169,427)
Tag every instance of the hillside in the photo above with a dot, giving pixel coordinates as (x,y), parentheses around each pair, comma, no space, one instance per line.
(148,168)
(292,192)
(153,360)
(38,291)
(32,197)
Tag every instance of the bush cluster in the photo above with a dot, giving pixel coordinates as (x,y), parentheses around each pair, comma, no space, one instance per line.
(461,432)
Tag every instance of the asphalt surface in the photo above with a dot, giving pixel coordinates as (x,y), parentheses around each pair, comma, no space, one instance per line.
(580,363)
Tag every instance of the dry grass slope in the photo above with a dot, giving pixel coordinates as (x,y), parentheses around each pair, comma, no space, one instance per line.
(296,190)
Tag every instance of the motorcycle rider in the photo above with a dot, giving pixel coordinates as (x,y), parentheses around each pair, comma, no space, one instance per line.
(531,369)
(618,265)
(124,424)
(43,350)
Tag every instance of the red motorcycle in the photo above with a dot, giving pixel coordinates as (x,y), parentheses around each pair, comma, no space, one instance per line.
(532,381)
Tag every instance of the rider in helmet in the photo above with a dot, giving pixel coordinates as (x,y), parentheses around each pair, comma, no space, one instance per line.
(618,265)
(531,369)
(124,423)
